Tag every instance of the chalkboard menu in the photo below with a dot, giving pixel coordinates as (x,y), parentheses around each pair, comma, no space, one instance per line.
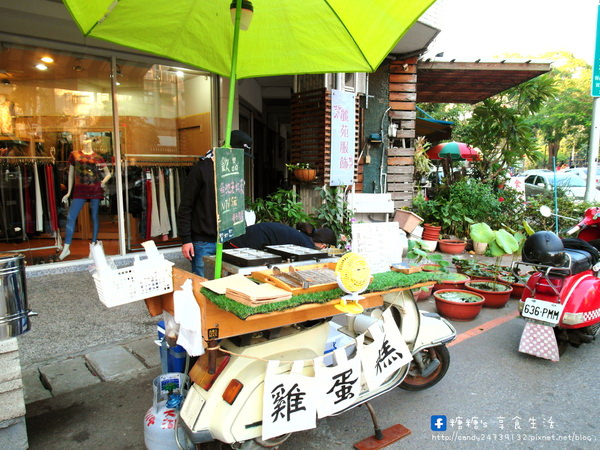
(229,182)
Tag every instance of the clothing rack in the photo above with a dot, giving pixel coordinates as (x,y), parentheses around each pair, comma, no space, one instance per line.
(26,159)
(149,160)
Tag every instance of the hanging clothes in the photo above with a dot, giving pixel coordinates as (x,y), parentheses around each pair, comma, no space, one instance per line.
(21,204)
(149,206)
(51,197)
(39,208)
(172,205)
(29,222)
(155,218)
(163,211)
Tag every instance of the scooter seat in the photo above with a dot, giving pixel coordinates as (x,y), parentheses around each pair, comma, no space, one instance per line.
(579,260)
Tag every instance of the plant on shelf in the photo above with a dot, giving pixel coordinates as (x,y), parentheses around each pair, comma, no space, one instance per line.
(420,256)
(302,171)
(423,165)
(428,261)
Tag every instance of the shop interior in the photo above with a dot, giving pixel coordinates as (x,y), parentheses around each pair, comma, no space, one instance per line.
(50,101)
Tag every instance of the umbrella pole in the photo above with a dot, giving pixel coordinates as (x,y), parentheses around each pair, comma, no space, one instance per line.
(229,121)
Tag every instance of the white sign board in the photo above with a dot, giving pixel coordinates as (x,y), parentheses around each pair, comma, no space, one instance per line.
(379,243)
(343,133)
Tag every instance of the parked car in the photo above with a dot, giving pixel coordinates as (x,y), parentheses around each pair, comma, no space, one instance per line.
(582,172)
(518,181)
(542,182)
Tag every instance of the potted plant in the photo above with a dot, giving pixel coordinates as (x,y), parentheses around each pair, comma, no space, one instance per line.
(417,252)
(458,304)
(496,294)
(452,246)
(302,171)
(453,280)
(428,261)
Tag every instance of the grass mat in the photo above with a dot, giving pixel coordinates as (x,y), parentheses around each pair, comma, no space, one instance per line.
(381,282)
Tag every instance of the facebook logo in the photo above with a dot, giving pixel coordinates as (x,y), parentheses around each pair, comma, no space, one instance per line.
(438,423)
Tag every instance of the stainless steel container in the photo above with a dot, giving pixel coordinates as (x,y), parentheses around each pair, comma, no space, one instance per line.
(14,313)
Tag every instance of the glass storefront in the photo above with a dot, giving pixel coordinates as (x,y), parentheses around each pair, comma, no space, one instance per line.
(56,106)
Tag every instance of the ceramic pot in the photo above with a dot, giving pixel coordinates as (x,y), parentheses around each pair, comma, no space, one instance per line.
(420,294)
(455,281)
(452,246)
(479,247)
(431,232)
(429,246)
(448,304)
(493,298)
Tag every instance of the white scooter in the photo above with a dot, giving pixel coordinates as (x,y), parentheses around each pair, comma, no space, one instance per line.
(210,414)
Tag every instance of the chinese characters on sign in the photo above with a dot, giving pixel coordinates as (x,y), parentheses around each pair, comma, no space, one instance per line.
(339,385)
(292,400)
(289,401)
(386,354)
(229,182)
(343,133)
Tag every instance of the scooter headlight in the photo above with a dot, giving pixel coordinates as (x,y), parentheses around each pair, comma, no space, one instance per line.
(573,318)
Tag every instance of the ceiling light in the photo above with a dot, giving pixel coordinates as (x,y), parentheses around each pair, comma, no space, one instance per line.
(40,66)
(47,59)
(247,11)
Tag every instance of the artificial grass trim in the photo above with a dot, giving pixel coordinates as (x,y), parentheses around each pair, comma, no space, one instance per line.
(381,282)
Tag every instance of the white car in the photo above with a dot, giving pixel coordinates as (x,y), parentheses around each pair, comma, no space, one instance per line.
(582,172)
(542,182)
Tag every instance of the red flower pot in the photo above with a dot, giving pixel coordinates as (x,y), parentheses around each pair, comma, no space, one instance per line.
(452,246)
(493,298)
(455,309)
(420,294)
(431,232)
(457,281)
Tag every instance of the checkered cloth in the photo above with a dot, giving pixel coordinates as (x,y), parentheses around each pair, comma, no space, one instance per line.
(539,340)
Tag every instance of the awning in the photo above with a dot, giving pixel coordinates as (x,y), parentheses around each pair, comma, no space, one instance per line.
(471,82)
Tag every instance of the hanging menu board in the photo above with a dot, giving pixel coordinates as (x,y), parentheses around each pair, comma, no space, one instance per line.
(229,183)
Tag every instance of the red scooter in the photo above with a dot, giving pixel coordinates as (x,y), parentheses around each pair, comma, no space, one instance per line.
(561,299)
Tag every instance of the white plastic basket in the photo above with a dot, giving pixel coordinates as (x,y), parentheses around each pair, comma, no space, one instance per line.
(145,279)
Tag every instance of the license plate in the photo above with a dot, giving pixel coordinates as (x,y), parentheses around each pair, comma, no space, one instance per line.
(542,310)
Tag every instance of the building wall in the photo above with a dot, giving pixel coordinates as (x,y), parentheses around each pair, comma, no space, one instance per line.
(400,157)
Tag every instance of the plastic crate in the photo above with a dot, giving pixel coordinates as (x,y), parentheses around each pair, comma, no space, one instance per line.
(145,279)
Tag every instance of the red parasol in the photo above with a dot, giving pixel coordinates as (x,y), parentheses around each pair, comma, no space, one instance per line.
(454,151)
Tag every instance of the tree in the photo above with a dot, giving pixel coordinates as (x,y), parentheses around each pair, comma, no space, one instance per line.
(564,122)
(499,126)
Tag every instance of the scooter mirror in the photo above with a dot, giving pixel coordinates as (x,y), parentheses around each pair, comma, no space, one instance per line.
(545,211)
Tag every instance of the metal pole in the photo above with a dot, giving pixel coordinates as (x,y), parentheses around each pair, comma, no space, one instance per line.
(117,155)
(555,196)
(590,188)
(229,122)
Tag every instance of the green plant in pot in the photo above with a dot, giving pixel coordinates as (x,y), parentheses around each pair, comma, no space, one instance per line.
(500,243)
(458,304)
(428,261)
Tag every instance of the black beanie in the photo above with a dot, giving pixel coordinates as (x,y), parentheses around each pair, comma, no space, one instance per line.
(239,139)
(324,235)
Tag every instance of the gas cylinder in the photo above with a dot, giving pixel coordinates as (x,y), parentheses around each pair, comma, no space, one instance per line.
(161,430)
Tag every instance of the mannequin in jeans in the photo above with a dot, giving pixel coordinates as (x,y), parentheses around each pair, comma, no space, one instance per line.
(88,175)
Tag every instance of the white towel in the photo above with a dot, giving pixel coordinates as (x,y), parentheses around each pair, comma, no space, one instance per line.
(187,315)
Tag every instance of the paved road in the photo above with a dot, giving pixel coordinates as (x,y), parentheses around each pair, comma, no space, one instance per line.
(491,387)
(92,398)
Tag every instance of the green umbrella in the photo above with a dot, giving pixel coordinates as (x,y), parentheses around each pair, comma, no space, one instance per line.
(285,37)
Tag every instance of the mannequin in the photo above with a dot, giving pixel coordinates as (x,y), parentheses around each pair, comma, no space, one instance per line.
(6,116)
(85,183)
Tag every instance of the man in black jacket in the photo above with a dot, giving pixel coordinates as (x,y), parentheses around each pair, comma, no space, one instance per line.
(272,233)
(197,215)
